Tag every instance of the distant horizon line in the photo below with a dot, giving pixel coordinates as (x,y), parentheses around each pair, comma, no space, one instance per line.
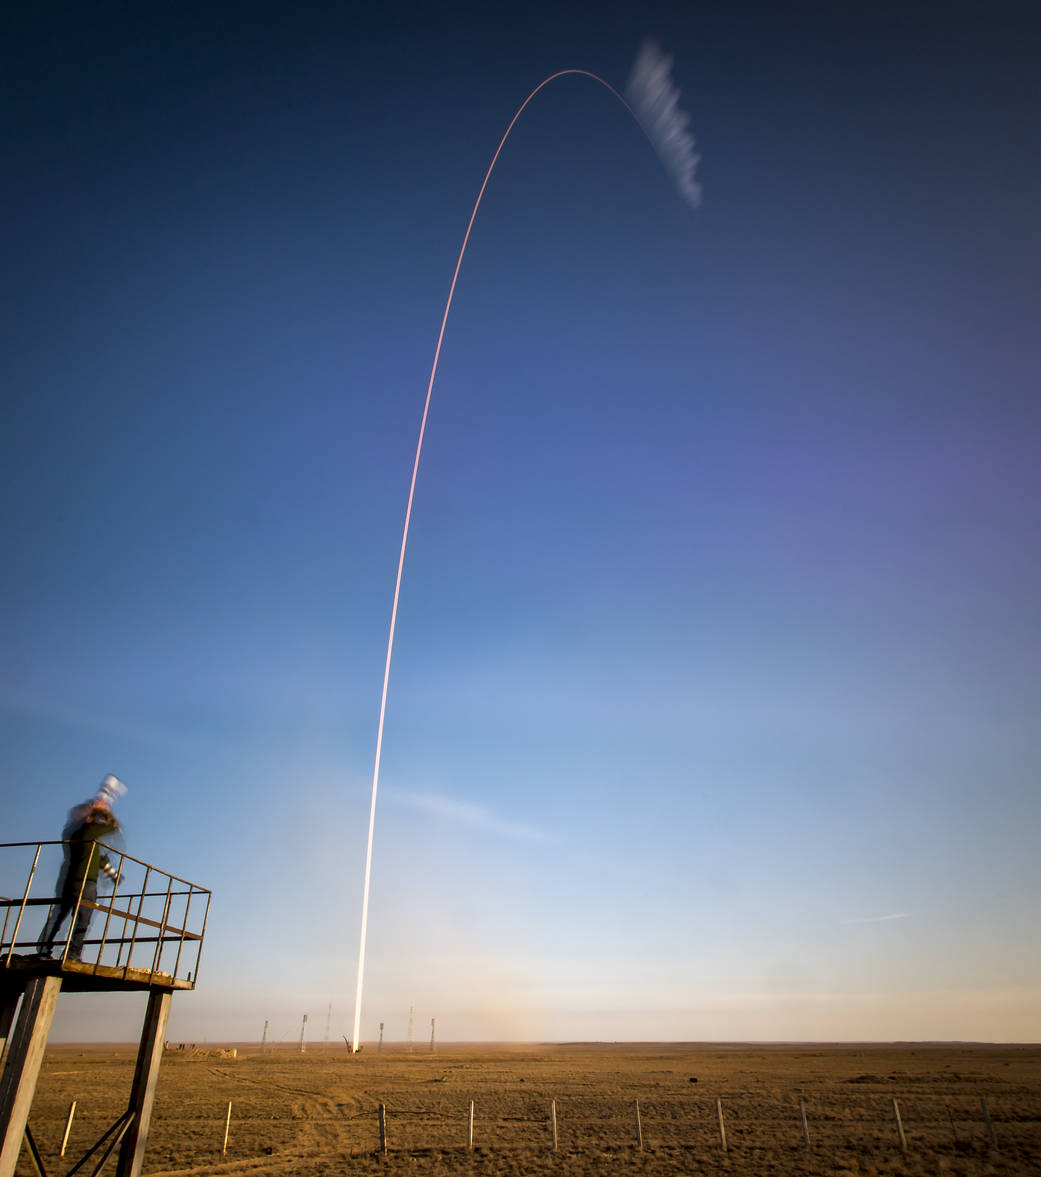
(422,1046)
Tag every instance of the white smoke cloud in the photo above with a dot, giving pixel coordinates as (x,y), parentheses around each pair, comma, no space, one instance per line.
(656,102)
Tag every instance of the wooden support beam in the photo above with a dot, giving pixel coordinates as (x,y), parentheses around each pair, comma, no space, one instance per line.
(146,1075)
(9,996)
(22,1066)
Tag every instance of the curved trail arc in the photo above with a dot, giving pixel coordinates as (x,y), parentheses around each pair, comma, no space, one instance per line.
(411,496)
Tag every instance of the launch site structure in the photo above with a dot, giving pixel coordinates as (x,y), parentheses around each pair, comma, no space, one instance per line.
(148,935)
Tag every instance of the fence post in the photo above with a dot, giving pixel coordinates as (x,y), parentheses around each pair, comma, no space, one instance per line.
(899,1127)
(470,1128)
(227,1129)
(805,1124)
(68,1128)
(722,1126)
(383,1128)
(990,1122)
(553,1121)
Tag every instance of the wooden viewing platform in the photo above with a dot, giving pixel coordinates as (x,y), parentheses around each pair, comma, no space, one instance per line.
(151,928)
(78,976)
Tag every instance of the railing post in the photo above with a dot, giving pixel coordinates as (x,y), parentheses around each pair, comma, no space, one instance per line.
(202,933)
(123,930)
(639,1126)
(3,934)
(108,917)
(137,917)
(74,915)
(184,928)
(160,940)
(383,1127)
(25,896)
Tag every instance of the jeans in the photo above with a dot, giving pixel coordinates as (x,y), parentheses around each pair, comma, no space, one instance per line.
(69,895)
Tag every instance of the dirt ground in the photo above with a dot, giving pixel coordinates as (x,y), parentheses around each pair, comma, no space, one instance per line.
(318,1113)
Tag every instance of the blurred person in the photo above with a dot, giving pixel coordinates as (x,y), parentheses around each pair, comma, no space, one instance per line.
(87,824)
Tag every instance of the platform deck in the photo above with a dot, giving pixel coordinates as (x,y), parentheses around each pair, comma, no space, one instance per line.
(85,977)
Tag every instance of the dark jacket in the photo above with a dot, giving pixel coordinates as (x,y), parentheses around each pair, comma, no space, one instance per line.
(85,827)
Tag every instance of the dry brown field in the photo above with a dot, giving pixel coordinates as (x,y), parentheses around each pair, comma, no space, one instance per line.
(317,1113)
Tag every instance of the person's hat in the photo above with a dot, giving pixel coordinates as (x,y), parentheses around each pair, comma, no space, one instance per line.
(109,790)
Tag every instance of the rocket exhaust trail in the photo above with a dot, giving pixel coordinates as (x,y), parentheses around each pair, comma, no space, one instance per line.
(408,510)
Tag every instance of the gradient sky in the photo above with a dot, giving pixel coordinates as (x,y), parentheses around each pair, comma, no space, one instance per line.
(715,704)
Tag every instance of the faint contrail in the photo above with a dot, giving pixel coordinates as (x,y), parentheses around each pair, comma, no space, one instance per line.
(656,101)
(654,132)
(879,919)
(462,813)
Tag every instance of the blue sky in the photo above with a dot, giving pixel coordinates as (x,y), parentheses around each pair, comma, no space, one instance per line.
(713,712)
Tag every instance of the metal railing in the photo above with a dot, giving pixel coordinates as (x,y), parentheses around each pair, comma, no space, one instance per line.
(153,921)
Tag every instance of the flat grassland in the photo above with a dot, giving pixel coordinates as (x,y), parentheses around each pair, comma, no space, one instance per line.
(303,1115)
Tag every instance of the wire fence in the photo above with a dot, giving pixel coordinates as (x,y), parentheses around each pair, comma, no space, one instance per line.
(240,1119)
(577,1125)
(741,1123)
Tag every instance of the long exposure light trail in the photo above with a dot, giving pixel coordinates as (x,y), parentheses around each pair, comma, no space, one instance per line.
(668,109)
